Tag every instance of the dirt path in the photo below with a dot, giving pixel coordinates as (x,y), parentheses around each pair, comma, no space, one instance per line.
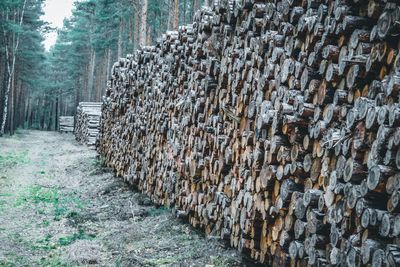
(58,207)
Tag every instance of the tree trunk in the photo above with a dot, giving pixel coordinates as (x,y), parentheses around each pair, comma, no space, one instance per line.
(85,82)
(92,68)
(120,41)
(50,123)
(131,26)
(21,95)
(11,100)
(195,7)
(143,24)
(11,68)
(56,118)
(42,116)
(109,62)
(148,36)
(136,26)
(184,11)
(175,15)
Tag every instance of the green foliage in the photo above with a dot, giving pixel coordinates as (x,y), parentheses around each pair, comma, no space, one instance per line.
(29,55)
(77,67)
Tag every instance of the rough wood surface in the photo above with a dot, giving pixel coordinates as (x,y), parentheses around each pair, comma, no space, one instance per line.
(87,122)
(66,124)
(272,125)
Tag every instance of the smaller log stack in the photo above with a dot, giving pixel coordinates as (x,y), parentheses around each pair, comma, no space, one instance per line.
(87,122)
(66,124)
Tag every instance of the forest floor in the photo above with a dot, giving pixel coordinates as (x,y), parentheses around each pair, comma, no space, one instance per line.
(59,207)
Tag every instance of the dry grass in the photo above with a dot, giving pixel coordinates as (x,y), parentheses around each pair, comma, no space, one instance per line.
(60,208)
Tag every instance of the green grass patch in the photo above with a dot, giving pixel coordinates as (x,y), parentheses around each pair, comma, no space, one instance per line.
(44,244)
(219,261)
(68,207)
(11,159)
(44,223)
(99,161)
(47,200)
(12,259)
(48,195)
(37,194)
(69,239)
(154,211)
(6,263)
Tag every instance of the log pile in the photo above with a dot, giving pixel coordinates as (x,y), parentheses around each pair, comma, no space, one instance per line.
(66,124)
(273,125)
(88,122)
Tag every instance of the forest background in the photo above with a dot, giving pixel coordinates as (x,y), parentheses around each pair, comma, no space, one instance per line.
(38,86)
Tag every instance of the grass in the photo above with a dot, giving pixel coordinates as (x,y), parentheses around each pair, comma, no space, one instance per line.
(4,202)
(11,159)
(69,239)
(44,244)
(61,205)
(163,260)
(179,257)
(99,161)
(39,198)
(154,211)
(53,260)
(219,261)
(38,194)
(68,207)
(13,260)
(19,131)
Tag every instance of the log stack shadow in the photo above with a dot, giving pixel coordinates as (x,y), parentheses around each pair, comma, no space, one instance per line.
(272,125)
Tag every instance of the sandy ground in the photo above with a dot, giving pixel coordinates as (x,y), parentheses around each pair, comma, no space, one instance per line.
(59,207)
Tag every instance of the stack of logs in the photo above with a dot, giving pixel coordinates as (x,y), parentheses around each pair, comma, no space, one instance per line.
(87,122)
(273,125)
(66,124)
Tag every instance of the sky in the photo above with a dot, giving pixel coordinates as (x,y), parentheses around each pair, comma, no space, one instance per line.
(54,12)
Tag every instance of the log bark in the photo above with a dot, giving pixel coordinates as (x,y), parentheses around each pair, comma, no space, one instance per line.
(271,125)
